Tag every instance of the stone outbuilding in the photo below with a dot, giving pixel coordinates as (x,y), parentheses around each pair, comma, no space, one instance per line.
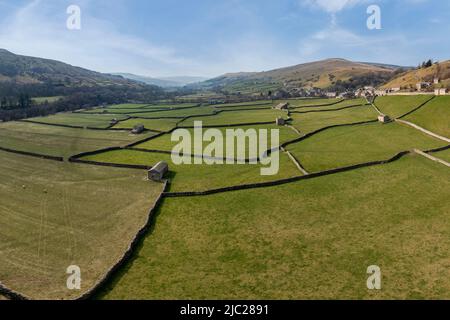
(282,106)
(384,118)
(158,172)
(280,121)
(138,129)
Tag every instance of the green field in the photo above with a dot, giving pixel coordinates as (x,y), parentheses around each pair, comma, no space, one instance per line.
(309,122)
(164,142)
(237,117)
(59,141)
(316,242)
(342,104)
(150,124)
(434,116)
(179,112)
(345,146)
(54,215)
(199,177)
(444,155)
(78,119)
(396,106)
(298,103)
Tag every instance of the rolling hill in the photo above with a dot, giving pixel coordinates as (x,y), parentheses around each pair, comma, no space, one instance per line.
(321,74)
(169,82)
(24,70)
(409,79)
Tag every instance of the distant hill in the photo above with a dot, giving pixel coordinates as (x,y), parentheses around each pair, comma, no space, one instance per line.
(321,74)
(409,79)
(24,70)
(169,82)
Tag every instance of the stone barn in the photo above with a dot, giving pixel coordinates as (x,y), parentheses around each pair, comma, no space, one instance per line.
(384,118)
(282,106)
(280,121)
(158,172)
(138,129)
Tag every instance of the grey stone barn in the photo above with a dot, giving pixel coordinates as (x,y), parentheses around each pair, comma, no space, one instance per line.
(280,121)
(139,128)
(158,172)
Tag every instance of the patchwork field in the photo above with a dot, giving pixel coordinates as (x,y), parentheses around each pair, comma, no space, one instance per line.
(396,106)
(315,242)
(237,117)
(164,142)
(81,120)
(200,177)
(150,124)
(54,215)
(313,238)
(59,141)
(312,121)
(434,116)
(345,146)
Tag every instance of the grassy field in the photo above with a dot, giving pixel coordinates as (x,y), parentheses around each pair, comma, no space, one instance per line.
(316,242)
(342,104)
(54,215)
(396,106)
(151,124)
(83,120)
(237,117)
(59,141)
(444,155)
(243,104)
(199,177)
(344,146)
(434,116)
(164,142)
(296,103)
(309,122)
(179,112)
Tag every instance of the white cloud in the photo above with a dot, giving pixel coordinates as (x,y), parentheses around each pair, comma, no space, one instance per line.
(332,6)
(34,30)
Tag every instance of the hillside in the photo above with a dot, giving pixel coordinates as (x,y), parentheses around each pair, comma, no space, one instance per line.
(170,82)
(23,70)
(409,79)
(321,74)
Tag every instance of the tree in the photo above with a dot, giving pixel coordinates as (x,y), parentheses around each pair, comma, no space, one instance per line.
(429,63)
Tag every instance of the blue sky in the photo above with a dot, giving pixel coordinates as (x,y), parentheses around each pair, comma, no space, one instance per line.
(211,37)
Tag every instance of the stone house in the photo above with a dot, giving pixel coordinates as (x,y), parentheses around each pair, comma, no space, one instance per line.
(440,92)
(138,129)
(282,106)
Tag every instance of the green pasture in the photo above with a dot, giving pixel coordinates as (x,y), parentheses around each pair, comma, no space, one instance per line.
(150,124)
(396,106)
(434,116)
(200,177)
(237,117)
(59,141)
(164,142)
(79,119)
(54,215)
(345,146)
(309,122)
(313,239)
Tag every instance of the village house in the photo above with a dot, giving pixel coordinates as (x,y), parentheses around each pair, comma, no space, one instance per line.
(138,129)
(384,118)
(282,106)
(158,172)
(436,80)
(331,94)
(280,121)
